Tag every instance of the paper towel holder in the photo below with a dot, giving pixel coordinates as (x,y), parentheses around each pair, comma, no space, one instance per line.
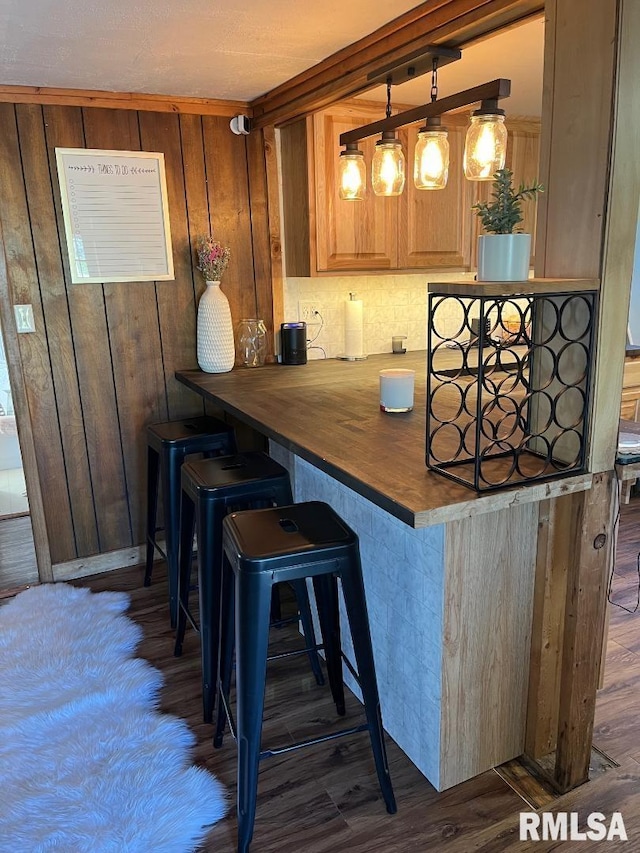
(342,356)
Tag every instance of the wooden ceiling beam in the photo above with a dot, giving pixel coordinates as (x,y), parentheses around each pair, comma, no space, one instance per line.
(121,101)
(344,74)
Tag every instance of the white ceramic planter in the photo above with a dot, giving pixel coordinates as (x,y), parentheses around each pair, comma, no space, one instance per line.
(504,257)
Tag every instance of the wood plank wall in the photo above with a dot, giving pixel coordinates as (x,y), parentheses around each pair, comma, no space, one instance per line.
(100,364)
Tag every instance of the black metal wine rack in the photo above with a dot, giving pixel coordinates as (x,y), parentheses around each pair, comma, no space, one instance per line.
(508,385)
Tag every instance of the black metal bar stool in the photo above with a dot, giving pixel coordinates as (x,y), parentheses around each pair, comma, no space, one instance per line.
(211,488)
(168,444)
(263,547)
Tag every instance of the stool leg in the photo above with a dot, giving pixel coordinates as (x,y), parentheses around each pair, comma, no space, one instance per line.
(152,510)
(171,491)
(282,496)
(225,659)
(253,599)
(326,589)
(276,609)
(304,609)
(209,516)
(185,558)
(356,605)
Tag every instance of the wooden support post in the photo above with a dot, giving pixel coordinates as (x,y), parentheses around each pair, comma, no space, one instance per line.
(581,43)
(584,623)
(545,668)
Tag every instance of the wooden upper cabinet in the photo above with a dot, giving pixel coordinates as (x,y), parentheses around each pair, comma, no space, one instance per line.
(434,225)
(350,235)
(523,158)
(420,229)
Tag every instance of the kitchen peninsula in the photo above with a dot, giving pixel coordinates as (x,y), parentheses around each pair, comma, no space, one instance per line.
(449,574)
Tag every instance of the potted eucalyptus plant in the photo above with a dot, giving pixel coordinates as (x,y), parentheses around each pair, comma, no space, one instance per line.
(503,251)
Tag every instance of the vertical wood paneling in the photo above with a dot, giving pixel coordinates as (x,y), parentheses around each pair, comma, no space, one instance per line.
(228,191)
(101,364)
(487,635)
(176,305)
(64,129)
(275,295)
(134,335)
(576,129)
(296,194)
(24,288)
(38,180)
(195,182)
(263,248)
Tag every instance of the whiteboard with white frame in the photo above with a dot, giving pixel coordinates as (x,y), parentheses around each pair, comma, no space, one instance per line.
(116,215)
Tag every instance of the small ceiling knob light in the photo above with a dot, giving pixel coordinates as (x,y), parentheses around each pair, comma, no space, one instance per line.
(388,166)
(486,143)
(431,158)
(352,173)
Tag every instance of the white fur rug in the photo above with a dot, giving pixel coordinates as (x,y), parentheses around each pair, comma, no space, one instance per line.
(87,765)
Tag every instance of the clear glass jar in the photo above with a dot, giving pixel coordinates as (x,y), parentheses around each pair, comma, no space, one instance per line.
(252,341)
(352,175)
(431,159)
(387,166)
(485,147)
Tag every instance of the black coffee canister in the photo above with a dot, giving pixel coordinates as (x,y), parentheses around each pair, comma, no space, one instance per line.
(293,338)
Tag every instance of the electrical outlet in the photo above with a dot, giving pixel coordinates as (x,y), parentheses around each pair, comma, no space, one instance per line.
(309,313)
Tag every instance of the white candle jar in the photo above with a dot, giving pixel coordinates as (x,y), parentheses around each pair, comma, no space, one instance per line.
(396,390)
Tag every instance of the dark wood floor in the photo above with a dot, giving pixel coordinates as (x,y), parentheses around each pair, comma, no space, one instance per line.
(325,799)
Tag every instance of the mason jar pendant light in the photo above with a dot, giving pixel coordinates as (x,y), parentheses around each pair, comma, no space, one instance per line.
(352,173)
(388,165)
(431,157)
(485,146)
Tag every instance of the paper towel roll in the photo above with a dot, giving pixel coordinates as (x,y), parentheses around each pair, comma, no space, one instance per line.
(353,329)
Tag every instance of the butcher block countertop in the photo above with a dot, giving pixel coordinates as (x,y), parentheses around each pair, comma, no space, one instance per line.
(327,412)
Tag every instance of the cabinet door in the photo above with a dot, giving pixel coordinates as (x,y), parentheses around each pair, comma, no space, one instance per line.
(523,156)
(350,235)
(434,225)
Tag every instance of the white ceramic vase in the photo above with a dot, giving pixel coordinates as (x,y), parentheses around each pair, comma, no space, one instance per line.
(215,346)
(504,257)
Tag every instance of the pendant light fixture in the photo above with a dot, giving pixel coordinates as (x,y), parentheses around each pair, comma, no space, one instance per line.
(485,147)
(431,156)
(388,164)
(486,140)
(352,173)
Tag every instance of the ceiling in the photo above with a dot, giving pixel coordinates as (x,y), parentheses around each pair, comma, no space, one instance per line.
(230,49)
(516,54)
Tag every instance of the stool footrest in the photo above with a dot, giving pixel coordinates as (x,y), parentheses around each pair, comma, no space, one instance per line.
(161,551)
(279,750)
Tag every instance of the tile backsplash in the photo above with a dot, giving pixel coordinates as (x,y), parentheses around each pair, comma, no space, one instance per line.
(392,305)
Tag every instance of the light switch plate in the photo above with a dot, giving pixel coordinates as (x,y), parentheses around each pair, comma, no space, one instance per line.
(24,318)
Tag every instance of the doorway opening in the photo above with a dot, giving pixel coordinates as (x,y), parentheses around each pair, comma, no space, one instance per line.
(18,565)
(13,491)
